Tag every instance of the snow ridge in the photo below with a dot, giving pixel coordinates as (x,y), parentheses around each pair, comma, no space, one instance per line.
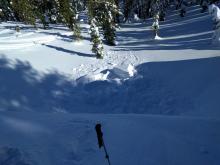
(115,66)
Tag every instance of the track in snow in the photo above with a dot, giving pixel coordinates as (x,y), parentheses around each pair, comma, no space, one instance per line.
(9,39)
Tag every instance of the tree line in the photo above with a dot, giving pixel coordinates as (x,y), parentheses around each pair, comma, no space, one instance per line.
(103,15)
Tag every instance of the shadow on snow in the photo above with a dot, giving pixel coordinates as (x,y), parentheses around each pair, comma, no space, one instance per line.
(68,51)
(174,35)
(169,88)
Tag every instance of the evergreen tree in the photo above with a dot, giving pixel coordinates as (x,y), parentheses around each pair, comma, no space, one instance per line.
(155,25)
(1,14)
(108,21)
(24,11)
(105,13)
(204,5)
(5,10)
(79,5)
(97,47)
(42,9)
(183,5)
(68,15)
(143,8)
(136,7)
(128,5)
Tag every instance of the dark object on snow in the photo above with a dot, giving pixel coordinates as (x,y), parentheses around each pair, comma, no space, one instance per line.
(101,141)
(17,28)
(162,16)
(204,9)
(99,135)
(182,13)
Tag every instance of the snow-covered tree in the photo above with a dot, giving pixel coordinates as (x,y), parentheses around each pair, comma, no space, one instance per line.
(155,25)
(105,13)
(97,47)
(215,13)
(109,21)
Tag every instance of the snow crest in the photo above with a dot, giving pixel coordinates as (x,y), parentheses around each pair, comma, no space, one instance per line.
(115,67)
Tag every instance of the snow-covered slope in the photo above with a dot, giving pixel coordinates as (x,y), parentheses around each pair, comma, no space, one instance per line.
(158,100)
(54,139)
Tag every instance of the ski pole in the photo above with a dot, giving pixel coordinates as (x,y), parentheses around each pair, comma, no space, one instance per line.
(106,153)
(101,141)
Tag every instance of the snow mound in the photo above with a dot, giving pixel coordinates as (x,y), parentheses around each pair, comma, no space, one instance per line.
(116,75)
(90,78)
(157,37)
(113,67)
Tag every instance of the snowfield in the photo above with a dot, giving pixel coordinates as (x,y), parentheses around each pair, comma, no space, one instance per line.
(130,139)
(157,99)
(16,40)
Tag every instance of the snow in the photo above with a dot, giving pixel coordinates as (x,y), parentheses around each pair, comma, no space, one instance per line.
(157,37)
(157,100)
(215,13)
(71,139)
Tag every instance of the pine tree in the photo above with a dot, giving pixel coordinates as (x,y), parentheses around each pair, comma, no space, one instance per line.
(105,13)
(69,16)
(6,11)
(109,21)
(24,11)
(1,14)
(42,9)
(127,9)
(155,25)
(97,47)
